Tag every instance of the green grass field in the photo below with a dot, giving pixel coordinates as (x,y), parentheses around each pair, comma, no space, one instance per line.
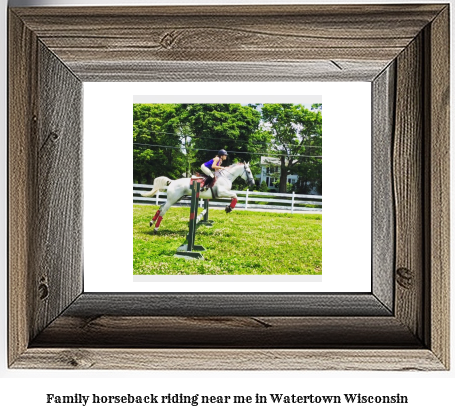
(242,242)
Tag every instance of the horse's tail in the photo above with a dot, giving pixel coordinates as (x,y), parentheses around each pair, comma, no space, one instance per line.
(158,184)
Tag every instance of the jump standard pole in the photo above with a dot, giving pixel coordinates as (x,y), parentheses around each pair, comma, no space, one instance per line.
(190,250)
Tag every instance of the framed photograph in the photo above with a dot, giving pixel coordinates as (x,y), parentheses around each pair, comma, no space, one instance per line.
(257,247)
(217,149)
(401,323)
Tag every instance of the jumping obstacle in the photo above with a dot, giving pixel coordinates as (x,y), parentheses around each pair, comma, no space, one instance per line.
(189,250)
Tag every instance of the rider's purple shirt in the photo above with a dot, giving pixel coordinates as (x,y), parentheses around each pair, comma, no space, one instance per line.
(210,163)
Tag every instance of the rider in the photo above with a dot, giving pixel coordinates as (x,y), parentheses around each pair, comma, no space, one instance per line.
(212,165)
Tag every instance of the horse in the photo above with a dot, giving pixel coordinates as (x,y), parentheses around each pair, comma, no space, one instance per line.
(181,187)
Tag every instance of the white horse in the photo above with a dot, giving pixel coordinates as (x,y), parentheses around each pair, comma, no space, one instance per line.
(179,188)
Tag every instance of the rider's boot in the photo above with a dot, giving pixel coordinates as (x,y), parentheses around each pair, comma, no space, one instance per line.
(207,182)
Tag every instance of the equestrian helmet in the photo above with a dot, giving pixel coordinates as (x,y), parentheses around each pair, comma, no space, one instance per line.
(222,153)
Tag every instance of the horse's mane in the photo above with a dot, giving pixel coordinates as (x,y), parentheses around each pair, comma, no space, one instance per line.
(219,173)
(232,165)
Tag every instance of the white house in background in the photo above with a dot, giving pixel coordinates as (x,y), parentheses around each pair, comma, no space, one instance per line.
(270,172)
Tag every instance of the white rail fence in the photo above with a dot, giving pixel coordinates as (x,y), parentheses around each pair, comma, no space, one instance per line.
(246,200)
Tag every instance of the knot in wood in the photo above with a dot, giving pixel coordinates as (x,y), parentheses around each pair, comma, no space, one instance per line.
(169,39)
(405,278)
(76,359)
(53,136)
(43,291)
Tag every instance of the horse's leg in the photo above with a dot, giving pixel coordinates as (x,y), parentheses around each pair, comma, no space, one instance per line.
(176,190)
(233,197)
(152,222)
(230,208)
(160,210)
(171,200)
(159,215)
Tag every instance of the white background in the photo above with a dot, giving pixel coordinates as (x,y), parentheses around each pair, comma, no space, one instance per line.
(346,180)
(24,391)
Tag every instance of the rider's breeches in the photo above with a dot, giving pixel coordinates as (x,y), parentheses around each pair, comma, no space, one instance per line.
(207,171)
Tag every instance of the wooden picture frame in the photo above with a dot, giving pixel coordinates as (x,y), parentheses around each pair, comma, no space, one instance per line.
(402,324)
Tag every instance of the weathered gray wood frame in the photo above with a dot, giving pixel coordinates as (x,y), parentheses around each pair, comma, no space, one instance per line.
(403,324)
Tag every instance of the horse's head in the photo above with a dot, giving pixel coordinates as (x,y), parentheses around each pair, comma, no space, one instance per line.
(248,175)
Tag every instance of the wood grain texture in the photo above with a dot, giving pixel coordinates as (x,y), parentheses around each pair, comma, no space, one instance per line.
(156,71)
(438,197)
(45,184)
(383,214)
(58,215)
(408,188)
(214,305)
(403,326)
(338,38)
(257,332)
(21,183)
(235,359)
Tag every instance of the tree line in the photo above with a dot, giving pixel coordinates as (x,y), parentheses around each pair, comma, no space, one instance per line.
(173,140)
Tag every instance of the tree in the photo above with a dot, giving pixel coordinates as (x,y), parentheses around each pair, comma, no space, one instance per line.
(156,147)
(183,130)
(230,126)
(295,135)
(175,139)
(310,176)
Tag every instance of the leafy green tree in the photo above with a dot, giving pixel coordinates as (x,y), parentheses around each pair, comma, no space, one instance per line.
(185,134)
(156,147)
(230,126)
(310,176)
(310,171)
(263,187)
(295,135)
(175,139)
